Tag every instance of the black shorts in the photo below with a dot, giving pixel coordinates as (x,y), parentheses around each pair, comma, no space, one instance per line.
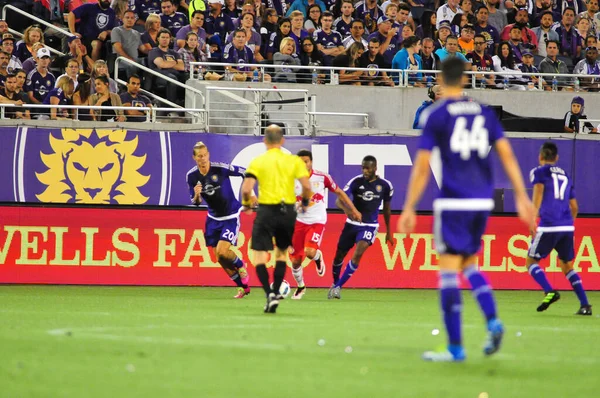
(273,221)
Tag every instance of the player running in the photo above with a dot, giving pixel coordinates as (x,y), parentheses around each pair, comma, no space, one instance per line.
(210,181)
(310,224)
(554,201)
(368,191)
(463,130)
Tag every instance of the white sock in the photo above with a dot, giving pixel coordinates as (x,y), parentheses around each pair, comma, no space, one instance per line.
(317,256)
(298,276)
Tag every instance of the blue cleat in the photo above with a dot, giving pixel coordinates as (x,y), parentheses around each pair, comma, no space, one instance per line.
(452,354)
(494,339)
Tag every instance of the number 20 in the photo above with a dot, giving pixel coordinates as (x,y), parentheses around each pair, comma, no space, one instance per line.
(560,185)
(464,141)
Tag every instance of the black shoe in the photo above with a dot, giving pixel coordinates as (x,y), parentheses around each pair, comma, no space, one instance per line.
(551,297)
(272,303)
(584,310)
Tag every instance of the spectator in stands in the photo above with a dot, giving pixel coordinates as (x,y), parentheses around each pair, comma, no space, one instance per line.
(297,32)
(253,38)
(481,62)
(527,35)
(343,24)
(30,63)
(575,116)
(166,61)
(283,30)
(231,9)
(310,54)
(497,17)
(32,35)
(589,66)
(516,44)
(582,26)
(409,58)
(3,27)
(133,98)
(71,71)
(447,11)
(466,7)
(591,41)
(302,6)
(350,60)
(450,50)
(551,64)
(4,58)
(400,15)
(40,81)
(82,96)
(8,45)
(490,33)
(407,31)
(388,37)
(592,16)
(196,5)
(444,30)
(191,52)
(286,56)
(150,36)
(357,31)
(61,95)
(248,8)
(127,42)
(457,23)
(95,24)
(429,58)
(101,69)
(465,41)
(170,18)
(313,21)
(217,23)
(544,32)
(528,67)
(268,26)
(374,62)
(76,51)
(21,79)
(428,27)
(145,8)
(511,13)
(569,39)
(329,42)
(504,61)
(238,53)
(545,6)
(369,12)
(9,95)
(434,93)
(104,97)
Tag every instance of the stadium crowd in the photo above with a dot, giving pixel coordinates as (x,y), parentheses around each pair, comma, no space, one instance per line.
(520,36)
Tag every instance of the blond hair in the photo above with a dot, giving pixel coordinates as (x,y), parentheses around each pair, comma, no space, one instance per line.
(29,30)
(296,13)
(286,40)
(63,82)
(150,20)
(199,145)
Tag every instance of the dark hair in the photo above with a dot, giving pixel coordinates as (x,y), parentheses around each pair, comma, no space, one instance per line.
(452,36)
(197,12)
(315,57)
(480,36)
(103,79)
(411,41)
(509,61)
(515,27)
(84,86)
(327,14)
(452,72)
(169,1)
(456,20)
(546,13)
(360,21)
(164,30)
(567,9)
(239,30)
(305,152)
(370,158)
(403,6)
(129,10)
(317,23)
(134,76)
(553,41)
(374,40)
(426,26)
(549,151)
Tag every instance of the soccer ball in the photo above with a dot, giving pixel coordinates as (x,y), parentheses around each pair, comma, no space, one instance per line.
(284,289)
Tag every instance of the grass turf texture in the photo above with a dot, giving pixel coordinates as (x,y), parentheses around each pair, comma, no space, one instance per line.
(74,341)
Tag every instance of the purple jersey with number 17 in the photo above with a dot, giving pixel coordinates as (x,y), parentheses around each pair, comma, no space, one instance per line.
(558,191)
(464,131)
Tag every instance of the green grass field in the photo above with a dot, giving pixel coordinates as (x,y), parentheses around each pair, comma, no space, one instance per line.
(74,341)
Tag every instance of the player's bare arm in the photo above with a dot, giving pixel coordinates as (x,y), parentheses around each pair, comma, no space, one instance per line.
(538,195)
(197,194)
(306,191)
(347,205)
(574,208)
(525,208)
(419,178)
(387,214)
(247,191)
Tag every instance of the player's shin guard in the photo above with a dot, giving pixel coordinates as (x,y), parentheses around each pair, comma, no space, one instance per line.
(482,291)
(263,277)
(278,275)
(451,303)
(298,276)
(539,276)
(238,263)
(575,280)
(337,269)
(348,272)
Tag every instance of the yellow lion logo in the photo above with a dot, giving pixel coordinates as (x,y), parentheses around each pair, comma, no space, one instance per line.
(93,166)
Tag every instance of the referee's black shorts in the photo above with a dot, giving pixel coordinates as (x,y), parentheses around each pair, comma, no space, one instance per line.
(273,221)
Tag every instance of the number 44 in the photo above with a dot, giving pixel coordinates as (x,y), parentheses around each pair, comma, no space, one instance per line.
(464,141)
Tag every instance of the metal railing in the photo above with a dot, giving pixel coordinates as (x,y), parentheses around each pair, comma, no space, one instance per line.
(38,20)
(150,111)
(583,129)
(160,76)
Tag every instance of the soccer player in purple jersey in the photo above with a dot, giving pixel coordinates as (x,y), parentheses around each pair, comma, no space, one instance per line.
(554,200)
(210,181)
(463,130)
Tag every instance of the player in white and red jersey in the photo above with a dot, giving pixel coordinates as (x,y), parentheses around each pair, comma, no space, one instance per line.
(310,224)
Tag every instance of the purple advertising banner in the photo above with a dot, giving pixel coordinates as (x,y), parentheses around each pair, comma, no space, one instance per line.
(149,168)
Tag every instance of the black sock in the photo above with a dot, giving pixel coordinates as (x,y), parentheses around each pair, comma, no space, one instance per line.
(263,277)
(237,280)
(278,275)
(337,269)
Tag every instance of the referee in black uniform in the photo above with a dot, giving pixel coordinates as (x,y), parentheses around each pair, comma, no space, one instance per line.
(275,172)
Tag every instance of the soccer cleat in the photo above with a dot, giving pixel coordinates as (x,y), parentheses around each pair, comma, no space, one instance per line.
(244,274)
(334,293)
(584,310)
(320,265)
(242,292)
(445,356)
(272,303)
(299,293)
(551,297)
(494,339)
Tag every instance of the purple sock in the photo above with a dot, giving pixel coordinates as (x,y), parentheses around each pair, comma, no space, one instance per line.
(539,276)
(451,303)
(575,280)
(348,272)
(482,291)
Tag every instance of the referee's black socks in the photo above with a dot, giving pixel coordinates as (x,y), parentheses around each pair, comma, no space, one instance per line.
(278,275)
(263,277)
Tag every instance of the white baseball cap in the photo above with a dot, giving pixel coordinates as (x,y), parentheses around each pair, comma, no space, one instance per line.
(43,52)
(216,2)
